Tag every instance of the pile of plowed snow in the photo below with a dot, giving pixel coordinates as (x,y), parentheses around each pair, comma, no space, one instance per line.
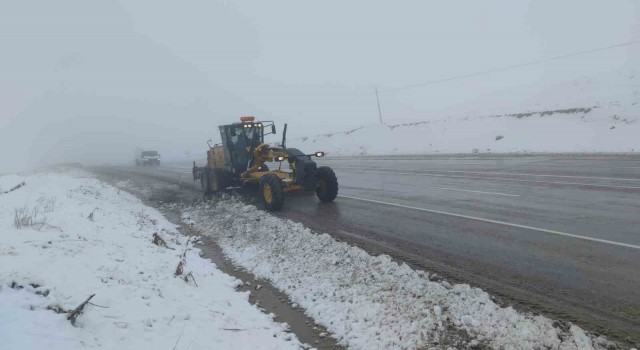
(372,302)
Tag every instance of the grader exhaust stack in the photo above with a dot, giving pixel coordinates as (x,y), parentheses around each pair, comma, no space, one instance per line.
(284,136)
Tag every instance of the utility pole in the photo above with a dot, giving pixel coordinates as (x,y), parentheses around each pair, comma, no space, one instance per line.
(379,110)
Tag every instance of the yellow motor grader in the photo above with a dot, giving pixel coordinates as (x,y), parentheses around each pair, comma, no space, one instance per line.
(240,160)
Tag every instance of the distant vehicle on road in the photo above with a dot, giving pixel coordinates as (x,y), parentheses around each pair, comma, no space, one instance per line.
(145,158)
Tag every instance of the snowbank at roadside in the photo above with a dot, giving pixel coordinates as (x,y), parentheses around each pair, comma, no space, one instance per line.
(372,302)
(10,182)
(64,237)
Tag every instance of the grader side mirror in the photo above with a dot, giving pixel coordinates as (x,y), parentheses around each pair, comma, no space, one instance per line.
(273,128)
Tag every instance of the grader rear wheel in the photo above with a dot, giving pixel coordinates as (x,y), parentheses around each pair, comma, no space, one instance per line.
(204,184)
(271,192)
(214,183)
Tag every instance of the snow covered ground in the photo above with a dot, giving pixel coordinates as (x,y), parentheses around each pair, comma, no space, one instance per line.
(599,113)
(65,237)
(10,182)
(372,302)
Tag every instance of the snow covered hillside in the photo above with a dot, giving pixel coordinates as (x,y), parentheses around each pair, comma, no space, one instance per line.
(66,237)
(372,302)
(599,113)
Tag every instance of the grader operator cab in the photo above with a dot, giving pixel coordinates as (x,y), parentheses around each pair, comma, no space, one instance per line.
(239,160)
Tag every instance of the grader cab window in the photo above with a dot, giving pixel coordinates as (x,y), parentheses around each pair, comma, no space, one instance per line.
(239,138)
(254,135)
(236,135)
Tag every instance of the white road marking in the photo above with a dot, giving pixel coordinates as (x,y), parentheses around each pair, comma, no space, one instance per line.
(177,171)
(501,179)
(519,180)
(539,175)
(461,190)
(620,244)
(513,174)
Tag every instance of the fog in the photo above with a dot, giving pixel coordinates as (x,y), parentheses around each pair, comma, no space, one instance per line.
(94,81)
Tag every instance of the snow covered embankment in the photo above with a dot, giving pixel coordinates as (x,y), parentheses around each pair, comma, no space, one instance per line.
(579,130)
(596,113)
(64,237)
(371,302)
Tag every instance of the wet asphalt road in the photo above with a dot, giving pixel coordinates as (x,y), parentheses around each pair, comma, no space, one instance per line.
(556,234)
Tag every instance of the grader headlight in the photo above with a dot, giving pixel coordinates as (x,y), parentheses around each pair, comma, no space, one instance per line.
(279,158)
(319,154)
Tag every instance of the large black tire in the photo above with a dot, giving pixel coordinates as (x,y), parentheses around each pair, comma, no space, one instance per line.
(204,181)
(216,181)
(327,189)
(271,192)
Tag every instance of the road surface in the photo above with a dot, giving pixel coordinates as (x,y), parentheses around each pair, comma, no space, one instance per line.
(558,235)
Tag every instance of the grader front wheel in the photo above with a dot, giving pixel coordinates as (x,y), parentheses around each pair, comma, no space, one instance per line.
(327,189)
(271,192)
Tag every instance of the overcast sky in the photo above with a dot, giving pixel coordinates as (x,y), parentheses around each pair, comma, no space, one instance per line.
(83,80)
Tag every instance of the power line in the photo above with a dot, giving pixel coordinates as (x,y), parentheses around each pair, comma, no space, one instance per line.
(512,66)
